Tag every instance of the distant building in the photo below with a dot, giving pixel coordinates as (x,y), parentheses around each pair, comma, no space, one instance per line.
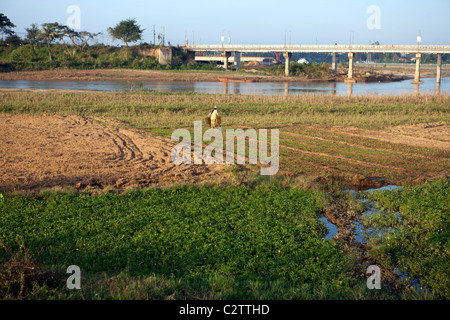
(303,61)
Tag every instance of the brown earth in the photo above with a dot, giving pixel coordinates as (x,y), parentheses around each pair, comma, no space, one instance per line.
(112,75)
(365,159)
(49,151)
(425,135)
(57,151)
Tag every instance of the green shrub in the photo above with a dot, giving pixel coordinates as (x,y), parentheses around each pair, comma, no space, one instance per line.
(419,241)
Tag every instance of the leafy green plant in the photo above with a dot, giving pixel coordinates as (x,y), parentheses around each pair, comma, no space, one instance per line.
(191,233)
(418,242)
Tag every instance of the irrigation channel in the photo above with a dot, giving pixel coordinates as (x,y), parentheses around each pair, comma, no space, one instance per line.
(363,234)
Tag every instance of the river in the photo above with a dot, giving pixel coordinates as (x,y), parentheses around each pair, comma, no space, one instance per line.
(244,88)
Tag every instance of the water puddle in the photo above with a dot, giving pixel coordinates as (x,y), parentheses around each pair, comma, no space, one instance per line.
(332,229)
(363,234)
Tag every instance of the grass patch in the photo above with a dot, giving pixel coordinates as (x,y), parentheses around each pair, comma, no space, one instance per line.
(418,241)
(160,110)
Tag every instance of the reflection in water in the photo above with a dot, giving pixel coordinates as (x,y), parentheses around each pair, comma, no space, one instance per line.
(349,88)
(416,89)
(231,88)
(333,88)
(225,88)
(429,86)
(236,89)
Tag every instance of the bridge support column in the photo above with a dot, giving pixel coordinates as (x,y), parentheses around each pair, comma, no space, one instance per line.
(287,57)
(438,71)
(226,55)
(350,68)
(333,63)
(417,73)
(190,57)
(237,59)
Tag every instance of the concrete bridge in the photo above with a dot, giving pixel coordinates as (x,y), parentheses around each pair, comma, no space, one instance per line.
(287,50)
(231,59)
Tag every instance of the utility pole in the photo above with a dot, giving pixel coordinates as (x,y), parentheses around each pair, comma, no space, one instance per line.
(154,36)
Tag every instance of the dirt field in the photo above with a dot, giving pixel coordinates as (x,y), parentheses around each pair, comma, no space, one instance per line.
(48,151)
(365,158)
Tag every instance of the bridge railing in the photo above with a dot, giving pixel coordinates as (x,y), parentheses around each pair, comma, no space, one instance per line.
(323,48)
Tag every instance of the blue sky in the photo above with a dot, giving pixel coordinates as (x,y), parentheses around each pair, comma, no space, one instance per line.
(249,21)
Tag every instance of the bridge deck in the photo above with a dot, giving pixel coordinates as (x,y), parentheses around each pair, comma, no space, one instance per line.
(323,48)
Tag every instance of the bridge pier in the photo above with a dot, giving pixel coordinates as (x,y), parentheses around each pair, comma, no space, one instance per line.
(333,63)
(287,57)
(350,68)
(349,88)
(438,71)
(286,88)
(417,73)
(237,59)
(190,57)
(226,55)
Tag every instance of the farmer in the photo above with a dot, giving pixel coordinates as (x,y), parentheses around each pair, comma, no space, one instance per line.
(213,116)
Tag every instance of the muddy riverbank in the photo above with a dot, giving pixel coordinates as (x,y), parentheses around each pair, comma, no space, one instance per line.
(362,74)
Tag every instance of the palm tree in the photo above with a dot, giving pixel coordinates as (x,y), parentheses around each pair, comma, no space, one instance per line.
(32,35)
(50,32)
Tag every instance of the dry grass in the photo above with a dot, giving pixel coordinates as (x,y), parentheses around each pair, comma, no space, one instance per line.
(159,110)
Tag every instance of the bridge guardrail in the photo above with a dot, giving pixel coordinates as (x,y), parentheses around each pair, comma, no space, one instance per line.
(324,48)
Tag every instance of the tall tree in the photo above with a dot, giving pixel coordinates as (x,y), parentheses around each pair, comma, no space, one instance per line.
(127,31)
(33,35)
(79,39)
(49,33)
(6,25)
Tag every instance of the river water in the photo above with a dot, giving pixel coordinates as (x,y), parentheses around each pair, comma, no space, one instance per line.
(244,88)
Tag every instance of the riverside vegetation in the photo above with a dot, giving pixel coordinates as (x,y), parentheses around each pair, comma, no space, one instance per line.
(33,58)
(25,57)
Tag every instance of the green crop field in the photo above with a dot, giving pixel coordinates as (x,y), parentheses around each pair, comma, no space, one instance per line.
(223,242)
(213,243)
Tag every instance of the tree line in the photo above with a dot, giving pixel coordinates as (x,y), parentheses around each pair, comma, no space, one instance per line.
(127,31)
